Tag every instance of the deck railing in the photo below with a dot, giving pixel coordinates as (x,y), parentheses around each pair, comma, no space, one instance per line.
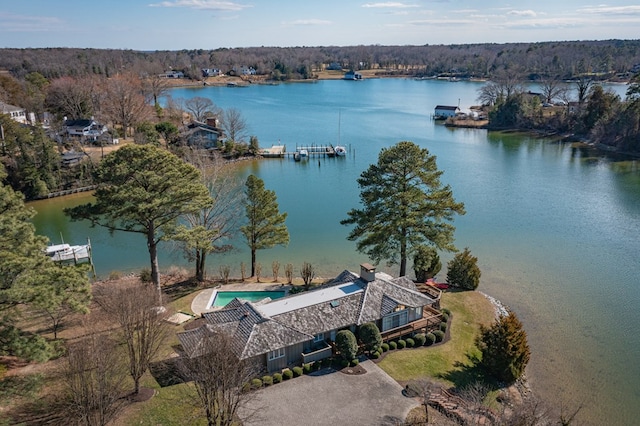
(317,355)
(430,321)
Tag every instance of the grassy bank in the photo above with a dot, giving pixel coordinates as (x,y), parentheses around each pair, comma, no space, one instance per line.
(447,363)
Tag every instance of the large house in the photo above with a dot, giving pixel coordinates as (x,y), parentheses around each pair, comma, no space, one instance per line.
(16,113)
(203,135)
(298,328)
(87,128)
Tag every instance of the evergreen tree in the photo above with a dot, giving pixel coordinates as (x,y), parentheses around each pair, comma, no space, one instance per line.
(347,344)
(463,270)
(505,352)
(265,227)
(404,206)
(426,263)
(144,189)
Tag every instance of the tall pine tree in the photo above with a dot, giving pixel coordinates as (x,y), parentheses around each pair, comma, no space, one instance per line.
(265,227)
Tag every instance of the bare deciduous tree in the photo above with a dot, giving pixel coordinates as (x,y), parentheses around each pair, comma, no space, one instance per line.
(72,98)
(124,101)
(234,125)
(275,268)
(288,272)
(200,108)
(142,323)
(210,229)
(307,272)
(95,379)
(219,378)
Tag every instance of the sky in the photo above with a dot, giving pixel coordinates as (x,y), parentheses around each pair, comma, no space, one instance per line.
(211,24)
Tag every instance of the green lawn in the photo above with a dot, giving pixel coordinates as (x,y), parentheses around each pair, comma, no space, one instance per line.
(448,362)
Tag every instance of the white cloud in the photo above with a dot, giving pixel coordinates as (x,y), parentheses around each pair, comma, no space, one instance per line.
(307,22)
(465,11)
(612,10)
(529,13)
(442,22)
(202,5)
(11,23)
(389,4)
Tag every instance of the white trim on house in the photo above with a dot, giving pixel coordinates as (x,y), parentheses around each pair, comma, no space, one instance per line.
(277,354)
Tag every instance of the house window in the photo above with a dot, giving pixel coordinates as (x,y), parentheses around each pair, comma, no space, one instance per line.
(318,338)
(395,320)
(278,353)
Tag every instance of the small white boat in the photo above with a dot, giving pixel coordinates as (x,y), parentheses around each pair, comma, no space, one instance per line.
(303,153)
(341,151)
(67,253)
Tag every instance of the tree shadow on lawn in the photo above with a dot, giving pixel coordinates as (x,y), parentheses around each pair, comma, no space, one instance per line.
(465,374)
(167,372)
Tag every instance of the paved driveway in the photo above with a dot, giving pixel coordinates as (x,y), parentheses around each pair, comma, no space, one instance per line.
(332,399)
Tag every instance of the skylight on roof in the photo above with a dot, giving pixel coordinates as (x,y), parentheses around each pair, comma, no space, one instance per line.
(335,303)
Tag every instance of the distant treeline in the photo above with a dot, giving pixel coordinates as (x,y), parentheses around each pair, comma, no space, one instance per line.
(606,59)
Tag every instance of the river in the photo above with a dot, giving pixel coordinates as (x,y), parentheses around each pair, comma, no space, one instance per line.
(556,228)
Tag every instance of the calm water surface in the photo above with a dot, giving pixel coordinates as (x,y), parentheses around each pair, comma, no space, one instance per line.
(556,229)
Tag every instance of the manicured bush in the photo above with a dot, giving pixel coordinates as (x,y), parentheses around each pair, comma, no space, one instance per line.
(384,347)
(439,335)
(256,383)
(393,345)
(445,317)
(344,363)
(443,326)
(277,378)
(246,387)
(375,355)
(430,339)
(347,344)
(306,368)
(419,338)
(297,371)
(354,362)
(287,374)
(370,336)
(402,344)
(410,342)
(267,380)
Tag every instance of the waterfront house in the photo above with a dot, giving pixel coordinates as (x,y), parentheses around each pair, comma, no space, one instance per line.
(352,75)
(87,128)
(211,72)
(203,135)
(300,328)
(443,112)
(16,113)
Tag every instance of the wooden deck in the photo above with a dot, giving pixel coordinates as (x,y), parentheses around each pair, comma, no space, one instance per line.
(430,321)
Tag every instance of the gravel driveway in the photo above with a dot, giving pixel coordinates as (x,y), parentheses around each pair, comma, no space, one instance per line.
(332,399)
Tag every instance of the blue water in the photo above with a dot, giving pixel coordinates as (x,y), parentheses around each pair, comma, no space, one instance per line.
(222,298)
(555,228)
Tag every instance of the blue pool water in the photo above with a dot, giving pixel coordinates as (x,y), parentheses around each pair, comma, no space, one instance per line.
(222,298)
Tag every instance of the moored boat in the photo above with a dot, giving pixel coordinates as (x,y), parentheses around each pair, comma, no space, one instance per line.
(341,151)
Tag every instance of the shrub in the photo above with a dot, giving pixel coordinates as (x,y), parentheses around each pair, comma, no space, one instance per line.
(369,335)
(420,338)
(267,380)
(145,275)
(393,345)
(446,311)
(410,343)
(347,344)
(287,374)
(439,335)
(306,368)
(297,371)
(384,347)
(344,363)
(115,275)
(426,263)
(463,270)
(443,326)
(277,378)
(402,344)
(430,339)
(256,383)
(375,355)
(354,362)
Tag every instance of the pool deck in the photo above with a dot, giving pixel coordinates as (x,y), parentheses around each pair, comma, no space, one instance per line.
(200,302)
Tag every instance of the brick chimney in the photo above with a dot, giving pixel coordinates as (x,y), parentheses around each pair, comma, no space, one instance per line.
(368,272)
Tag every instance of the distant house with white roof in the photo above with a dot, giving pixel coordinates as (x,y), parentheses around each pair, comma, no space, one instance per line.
(298,328)
(16,113)
(443,112)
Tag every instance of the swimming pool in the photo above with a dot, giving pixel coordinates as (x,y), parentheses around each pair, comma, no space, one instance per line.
(222,298)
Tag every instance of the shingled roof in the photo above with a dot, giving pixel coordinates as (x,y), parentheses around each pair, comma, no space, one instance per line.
(258,328)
